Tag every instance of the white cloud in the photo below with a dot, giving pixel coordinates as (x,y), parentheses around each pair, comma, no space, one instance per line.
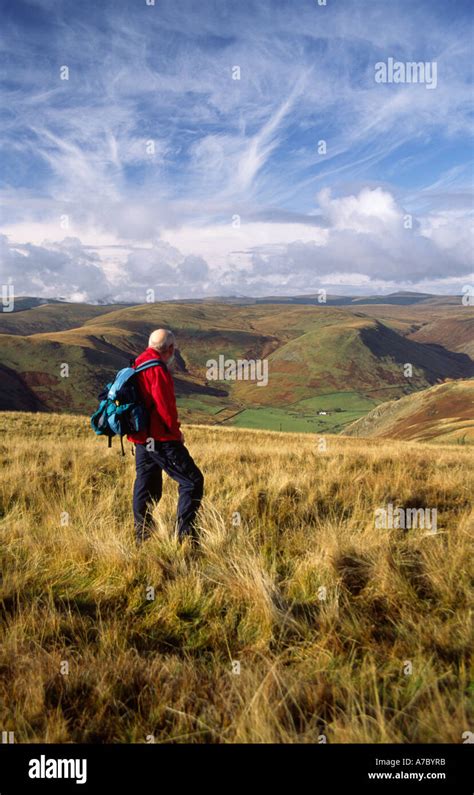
(63,269)
(364,244)
(371,211)
(367,235)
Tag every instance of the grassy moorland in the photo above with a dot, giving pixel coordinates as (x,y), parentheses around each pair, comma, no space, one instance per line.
(298,620)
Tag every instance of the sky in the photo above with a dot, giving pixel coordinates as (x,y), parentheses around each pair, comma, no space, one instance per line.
(193,148)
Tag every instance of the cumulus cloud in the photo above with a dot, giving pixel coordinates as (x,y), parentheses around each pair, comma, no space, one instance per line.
(369,235)
(71,271)
(370,212)
(61,269)
(368,239)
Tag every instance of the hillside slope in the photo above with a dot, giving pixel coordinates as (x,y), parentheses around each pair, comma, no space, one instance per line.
(357,353)
(441,413)
(49,317)
(456,333)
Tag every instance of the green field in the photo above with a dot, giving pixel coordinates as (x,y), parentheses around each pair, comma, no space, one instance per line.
(206,404)
(344,407)
(273,419)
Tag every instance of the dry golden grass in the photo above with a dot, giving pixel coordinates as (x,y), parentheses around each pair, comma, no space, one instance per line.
(322,611)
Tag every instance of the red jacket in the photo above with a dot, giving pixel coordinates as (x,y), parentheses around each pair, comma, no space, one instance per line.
(157,392)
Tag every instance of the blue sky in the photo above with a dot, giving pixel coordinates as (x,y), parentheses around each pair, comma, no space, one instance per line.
(151,168)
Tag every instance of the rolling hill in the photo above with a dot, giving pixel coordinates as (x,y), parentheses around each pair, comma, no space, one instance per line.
(451,326)
(441,413)
(361,354)
(457,333)
(57,316)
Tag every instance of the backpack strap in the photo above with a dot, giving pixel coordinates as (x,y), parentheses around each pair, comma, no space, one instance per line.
(150,363)
(146,366)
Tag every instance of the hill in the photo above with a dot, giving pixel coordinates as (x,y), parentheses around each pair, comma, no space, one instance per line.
(293,624)
(456,333)
(57,316)
(355,352)
(452,327)
(442,413)
(401,298)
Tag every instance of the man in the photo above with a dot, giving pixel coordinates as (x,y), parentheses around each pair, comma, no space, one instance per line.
(161,447)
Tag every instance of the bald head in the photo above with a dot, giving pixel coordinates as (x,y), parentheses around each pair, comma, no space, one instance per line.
(162,340)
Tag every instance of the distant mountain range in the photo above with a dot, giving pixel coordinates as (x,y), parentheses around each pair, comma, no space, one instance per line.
(402,297)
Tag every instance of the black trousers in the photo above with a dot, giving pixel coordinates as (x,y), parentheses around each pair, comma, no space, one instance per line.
(174,459)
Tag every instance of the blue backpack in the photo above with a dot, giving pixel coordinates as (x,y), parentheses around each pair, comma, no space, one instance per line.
(121,410)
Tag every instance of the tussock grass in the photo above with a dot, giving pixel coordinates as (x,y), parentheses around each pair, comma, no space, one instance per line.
(323,612)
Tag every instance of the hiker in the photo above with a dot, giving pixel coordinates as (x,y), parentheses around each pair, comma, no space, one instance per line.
(161,447)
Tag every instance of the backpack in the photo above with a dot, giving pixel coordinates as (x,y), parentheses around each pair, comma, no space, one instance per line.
(121,410)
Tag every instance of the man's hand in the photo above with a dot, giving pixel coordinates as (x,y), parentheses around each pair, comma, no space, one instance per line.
(181,434)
